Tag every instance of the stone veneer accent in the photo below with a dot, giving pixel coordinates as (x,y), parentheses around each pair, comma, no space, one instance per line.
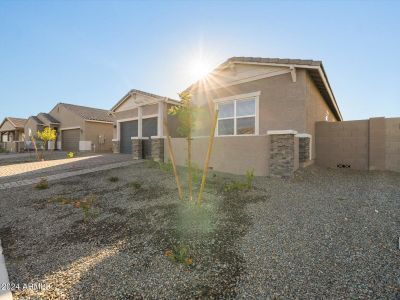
(115,147)
(304,149)
(137,149)
(157,149)
(282,153)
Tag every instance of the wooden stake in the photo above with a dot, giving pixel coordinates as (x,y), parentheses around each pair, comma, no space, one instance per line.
(172,158)
(205,169)
(189,142)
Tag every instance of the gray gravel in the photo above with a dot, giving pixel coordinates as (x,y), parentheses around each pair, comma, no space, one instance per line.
(323,234)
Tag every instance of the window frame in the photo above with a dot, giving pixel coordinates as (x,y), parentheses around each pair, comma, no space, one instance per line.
(250,96)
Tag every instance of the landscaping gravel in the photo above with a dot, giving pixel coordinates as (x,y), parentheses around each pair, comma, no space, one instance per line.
(322,234)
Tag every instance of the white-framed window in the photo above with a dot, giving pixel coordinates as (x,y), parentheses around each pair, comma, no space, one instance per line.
(238,115)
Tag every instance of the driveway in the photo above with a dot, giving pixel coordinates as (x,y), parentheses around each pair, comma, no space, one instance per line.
(56,165)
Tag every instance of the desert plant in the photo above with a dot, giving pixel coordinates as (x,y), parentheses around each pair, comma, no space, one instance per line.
(250,178)
(113,179)
(166,167)
(179,254)
(86,206)
(70,155)
(46,135)
(42,184)
(136,185)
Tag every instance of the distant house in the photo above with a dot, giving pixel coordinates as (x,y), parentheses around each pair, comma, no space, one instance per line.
(11,133)
(81,128)
(38,123)
(140,116)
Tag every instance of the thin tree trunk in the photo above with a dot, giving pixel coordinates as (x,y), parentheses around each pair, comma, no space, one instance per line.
(172,158)
(206,162)
(189,142)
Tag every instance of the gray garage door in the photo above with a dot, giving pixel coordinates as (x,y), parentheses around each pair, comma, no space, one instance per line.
(70,140)
(128,130)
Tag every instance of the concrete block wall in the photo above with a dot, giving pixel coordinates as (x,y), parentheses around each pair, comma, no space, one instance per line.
(372,144)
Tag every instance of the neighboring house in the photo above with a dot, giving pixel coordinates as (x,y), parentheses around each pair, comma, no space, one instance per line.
(140,116)
(12,133)
(267,114)
(38,123)
(82,128)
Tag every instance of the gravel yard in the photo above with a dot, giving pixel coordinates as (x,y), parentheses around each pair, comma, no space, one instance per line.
(322,234)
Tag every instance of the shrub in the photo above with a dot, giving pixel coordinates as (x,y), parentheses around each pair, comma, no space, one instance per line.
(166,167)
(2,150)
(86,206)
(42,184)
(250,178)
(70,155)
(113,179)
(240,185)
(136,185)
(179,254)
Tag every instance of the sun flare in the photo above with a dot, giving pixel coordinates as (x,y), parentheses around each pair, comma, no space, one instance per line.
(199,69)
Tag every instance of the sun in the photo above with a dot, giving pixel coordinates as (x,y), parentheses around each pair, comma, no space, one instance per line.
(199,69)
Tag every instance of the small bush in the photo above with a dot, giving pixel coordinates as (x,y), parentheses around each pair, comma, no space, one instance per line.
(113,179)
(179,254)
(2,150)
(42,184)
(166,167)
(70,155)
(236,186)
(136,185)
(250,178)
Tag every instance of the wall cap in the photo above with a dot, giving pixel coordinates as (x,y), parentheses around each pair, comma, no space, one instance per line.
(115,140)
(304,135)
(139,138)
(157,137)
(273,132)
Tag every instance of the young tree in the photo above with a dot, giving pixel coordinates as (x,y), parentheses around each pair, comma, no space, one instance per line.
(185,114)
(46,136)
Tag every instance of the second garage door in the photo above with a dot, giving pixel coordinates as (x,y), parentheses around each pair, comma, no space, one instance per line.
(70,140)
(128,130)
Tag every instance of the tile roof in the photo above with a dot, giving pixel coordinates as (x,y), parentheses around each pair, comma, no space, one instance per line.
(47,118)
(17,122)
(308,62)
(90,113)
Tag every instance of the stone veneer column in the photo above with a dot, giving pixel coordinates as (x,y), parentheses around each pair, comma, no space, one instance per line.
(157,148)
(137,148)
(282,153)
(304,147)
(115,146)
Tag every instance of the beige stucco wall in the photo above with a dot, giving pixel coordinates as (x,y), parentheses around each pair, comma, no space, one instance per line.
(7,126)
(316,110)
(150,109)
(67,118)
(91,132)
(281,102)
(233,155)
(32,125)
(393,144)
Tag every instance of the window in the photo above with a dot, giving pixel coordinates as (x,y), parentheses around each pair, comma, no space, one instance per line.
(237,117)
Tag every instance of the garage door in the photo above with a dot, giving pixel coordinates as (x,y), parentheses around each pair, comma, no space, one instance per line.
(128,130)
(70,140)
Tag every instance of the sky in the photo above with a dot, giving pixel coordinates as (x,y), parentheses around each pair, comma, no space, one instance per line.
(93,52)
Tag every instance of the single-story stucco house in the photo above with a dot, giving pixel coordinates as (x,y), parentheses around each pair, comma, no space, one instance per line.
(139,118)
(82,128)
(38,123)
(12,134)
(267,114)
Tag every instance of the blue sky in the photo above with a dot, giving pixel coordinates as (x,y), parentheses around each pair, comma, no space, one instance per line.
(92,52)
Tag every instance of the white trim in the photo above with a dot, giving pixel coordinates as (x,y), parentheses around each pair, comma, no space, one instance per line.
(293,73)
(272,132)
(160,121)
(69,128)
(139,138)
(240,97)
(140,121)
(149,116)
(115,140)
(157,137)
(95,121)
(119,126)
